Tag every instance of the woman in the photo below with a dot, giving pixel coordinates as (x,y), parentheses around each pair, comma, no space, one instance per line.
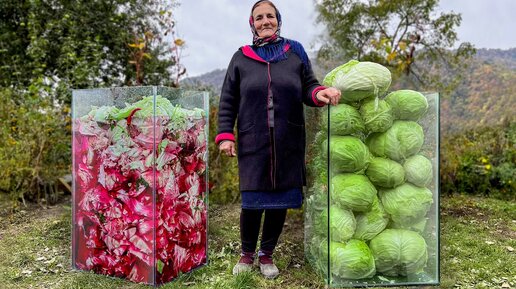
(264,90)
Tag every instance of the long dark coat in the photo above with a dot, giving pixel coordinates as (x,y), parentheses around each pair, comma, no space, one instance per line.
(245,91)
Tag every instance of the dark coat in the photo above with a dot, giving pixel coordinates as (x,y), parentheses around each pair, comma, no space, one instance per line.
(244,99)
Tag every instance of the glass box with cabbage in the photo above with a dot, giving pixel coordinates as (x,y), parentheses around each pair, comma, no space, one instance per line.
(372,206)
(140,169)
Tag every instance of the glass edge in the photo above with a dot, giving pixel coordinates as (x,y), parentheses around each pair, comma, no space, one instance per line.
(206,99)
(328,178)
(73,225)
(154,186)
(438,186)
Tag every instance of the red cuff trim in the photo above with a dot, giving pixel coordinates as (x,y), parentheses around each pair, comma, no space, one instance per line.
(224,136)
(314,92)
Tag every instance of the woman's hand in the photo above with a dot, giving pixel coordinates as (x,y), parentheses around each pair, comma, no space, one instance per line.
(330,95)
(228,147)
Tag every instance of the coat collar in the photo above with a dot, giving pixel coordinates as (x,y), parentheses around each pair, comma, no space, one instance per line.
(249,52)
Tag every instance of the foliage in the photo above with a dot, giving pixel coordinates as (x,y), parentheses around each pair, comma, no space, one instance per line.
(82,44)
(49,47)
(485,97)
(481,161)
(223,170)
(34,146)
(400,34)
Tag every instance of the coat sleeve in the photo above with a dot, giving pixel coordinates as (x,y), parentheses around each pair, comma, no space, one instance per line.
(229,103)
(310,87)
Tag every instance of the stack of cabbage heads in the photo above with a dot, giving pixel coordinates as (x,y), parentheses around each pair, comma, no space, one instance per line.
(370,218)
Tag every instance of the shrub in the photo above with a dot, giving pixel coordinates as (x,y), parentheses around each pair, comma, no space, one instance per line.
(34,146)
(480,162)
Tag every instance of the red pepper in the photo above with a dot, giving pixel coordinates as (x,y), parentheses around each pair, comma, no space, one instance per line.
(130,117)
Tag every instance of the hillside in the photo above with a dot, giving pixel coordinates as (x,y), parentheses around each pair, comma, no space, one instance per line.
(485,97)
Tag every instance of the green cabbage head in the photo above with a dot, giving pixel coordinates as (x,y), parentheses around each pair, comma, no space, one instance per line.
(377,115)
(344,68)
(342,224)
(350,260)
(402,140)
(344,120)
(146,105)
(359,80)
(348,154)
(418,170)
(407,104)
(399,252)
(418,226)
(371,223)
(351,191)
(385,173)
(407,203)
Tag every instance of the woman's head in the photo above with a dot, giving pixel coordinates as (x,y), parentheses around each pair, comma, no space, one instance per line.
(265,21)
(265,18)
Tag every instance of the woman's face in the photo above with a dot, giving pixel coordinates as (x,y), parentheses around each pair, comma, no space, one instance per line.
(265,20)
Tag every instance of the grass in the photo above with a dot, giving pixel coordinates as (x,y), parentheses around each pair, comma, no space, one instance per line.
(478,239)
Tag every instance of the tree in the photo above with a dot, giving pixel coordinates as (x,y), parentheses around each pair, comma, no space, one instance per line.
(79,44)
(400,34)
(48,47)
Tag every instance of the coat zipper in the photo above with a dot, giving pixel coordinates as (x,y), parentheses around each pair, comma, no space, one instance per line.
(273,147)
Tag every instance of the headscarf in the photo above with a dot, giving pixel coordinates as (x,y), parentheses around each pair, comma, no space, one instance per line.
(260,41)
(272,48)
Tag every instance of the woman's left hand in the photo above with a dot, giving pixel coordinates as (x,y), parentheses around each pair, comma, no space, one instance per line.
(330,95)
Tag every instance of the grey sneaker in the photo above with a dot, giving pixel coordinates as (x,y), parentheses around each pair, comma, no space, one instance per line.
(269,271)
(267,267)
(244,264)
(242,267)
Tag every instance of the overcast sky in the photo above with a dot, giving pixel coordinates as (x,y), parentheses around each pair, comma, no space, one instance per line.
(215,29)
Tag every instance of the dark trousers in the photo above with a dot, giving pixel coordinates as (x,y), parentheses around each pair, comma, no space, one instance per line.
(250,221)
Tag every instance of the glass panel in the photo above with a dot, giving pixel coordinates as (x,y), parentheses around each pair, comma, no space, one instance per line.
(182,178)
(316,206)
(380,204)
(139,189)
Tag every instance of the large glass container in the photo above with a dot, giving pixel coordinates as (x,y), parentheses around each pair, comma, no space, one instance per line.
(372,206)
(140,195)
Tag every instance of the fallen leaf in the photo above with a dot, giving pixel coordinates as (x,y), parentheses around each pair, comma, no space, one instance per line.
(490,242)
(506,285)
(510,249)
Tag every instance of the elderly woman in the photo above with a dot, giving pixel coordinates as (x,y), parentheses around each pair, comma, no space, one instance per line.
(264,90)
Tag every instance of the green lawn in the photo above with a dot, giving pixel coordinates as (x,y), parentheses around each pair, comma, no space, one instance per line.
(478,250)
